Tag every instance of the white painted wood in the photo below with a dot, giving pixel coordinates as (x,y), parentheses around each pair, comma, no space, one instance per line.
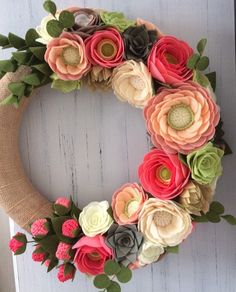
(87,144)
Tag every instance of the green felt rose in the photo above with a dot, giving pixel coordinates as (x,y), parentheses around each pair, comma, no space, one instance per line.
(125,241)
(205,163)
(117,20)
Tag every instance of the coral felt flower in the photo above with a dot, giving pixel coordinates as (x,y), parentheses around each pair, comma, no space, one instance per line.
(149,26)
(127,203)
(164,223)
(132,83)
(205,163)
(105,48)
(167,60)
(91,254)
(94,218)
(163,175)
(181,119)
(66,56)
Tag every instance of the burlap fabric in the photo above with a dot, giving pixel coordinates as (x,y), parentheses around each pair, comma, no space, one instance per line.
(20,200)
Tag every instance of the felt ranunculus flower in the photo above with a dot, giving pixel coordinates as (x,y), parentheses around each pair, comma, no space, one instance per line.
(196,199)
(138,41)
(125,241)
(105,48)
(167,60)
(149,26)
(205,163)
(18,243)
(127,202)
(162,174)
(66,272)
(39,228)
(181,119)
(94,218)
(91,254)
(164,223)
(117,20)
(132,83)
(63,251)
(67,57)
(70,228)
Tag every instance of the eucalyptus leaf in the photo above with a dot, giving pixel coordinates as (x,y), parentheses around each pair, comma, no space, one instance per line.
(50,7)
(67,19)
(203,63)
(192,61)
(217,207)
(124,275)
(3,41)
(213,217)
(16,41)
(102,281)
(201,46)
(200,219)
(54,28)
(114,287)
(230,219)
(111,267)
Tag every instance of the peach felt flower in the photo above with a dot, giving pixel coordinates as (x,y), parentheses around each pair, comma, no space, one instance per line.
(149,26)
(66,56)
(127,203)
(168,58)
(105,48)
(163,175)
(181,119)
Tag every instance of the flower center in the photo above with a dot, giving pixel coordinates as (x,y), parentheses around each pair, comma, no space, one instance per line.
(162,218)
(82,19)
(131,207)
(71,56)
(164,174)
(107,49)
(171,59)
(137,82)
(94,256)
(180,117)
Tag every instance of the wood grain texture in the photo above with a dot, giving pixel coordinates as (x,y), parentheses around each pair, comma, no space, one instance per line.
(87,144)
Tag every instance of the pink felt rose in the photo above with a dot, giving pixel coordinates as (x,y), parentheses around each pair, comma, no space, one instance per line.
(91,254)
(163,175)
(66,56)
(127,203)
(168,58)
(40,228)
(66,272)
(181,119)
(105,48)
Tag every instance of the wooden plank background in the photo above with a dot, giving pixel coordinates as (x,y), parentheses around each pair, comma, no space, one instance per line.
(87,144)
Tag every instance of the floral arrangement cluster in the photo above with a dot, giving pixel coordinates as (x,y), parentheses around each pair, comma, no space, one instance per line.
(165,77)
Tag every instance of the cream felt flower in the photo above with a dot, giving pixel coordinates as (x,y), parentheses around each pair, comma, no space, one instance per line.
(132,83)
(149,253)
(94,218)
(164,223)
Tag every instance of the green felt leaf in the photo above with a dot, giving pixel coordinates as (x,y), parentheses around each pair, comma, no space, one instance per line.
(114,287)
(111,267)
(200,219)
(28,90)
(172,249)
(192,61)
(183,158)
(212,78)
(60,210)
(75,211)
(49,244)
(203,63)
(101,281)
(8,65)
(17,88)
(230,219)
(43,68)
(31,37)
(39,250)
(66,86)
(53,263)
(69,268)
(213,217)
(54,28)
(32,79)
(200,78)
(3,41)
(10,100)
(217,207)
(38,52)
(21,238)
(201,46)
(22,58)
(16,41)
(67,19)
(57,226)
(50,7)
(124,275)
(21,250)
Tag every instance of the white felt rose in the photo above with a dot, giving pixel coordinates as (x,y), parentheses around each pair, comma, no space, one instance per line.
(149,253)
(164,223)
(45,38)
(94,218)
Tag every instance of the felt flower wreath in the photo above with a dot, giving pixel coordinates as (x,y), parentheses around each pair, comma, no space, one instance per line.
(161,75)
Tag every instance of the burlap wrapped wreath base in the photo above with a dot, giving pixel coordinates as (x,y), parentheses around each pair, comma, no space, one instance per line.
(20,200)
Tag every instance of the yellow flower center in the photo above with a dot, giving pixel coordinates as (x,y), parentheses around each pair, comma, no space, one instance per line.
(162,218)
(107,49)
(137,82)
(163,174)
(171,59)
(71,56)
(180,117)
(94,256)
(131,207)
